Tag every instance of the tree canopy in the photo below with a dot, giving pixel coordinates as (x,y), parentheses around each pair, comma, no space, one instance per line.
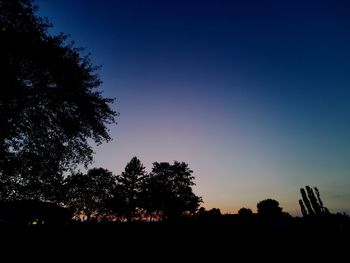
(168,190)
(50,108)
(129,188)
(269,208)
(311,203)
(90,193)
(245,212)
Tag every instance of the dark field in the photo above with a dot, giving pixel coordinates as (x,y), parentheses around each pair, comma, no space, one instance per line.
(177,241)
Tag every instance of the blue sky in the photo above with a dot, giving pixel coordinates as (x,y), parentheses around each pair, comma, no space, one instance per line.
(254,95)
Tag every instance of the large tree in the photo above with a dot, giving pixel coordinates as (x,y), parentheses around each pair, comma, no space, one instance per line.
(50,107)
(168,190)
(129,187)
(90,193)
(311,203)
(269,208)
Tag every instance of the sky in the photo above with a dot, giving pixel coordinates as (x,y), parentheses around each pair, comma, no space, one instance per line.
(253,95)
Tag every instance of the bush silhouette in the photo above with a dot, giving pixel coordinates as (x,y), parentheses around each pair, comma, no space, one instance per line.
(245,212)
(30,212)
(269,208)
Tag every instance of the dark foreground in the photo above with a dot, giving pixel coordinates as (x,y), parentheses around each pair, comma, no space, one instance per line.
(167,242)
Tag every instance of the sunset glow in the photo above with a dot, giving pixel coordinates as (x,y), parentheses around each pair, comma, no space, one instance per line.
(255,98)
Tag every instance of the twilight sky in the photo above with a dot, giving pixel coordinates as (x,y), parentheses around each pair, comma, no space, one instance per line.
(254,95)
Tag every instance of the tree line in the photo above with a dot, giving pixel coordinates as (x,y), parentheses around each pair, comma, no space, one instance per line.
(164,193)
(51,111)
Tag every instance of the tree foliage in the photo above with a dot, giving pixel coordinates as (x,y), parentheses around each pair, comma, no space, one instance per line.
(90,193)
(168,190)
(269,208)
(129,188)
(311,203)
(49,105)
(213,213)
(245,212)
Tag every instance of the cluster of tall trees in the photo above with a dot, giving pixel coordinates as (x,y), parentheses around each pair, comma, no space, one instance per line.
(311,203)
(164,193)
(50,111)
(51,108)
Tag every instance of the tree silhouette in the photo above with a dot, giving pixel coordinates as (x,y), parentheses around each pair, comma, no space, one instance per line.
(213,213)
(90,193)
(245,212)
(306,203)
(49,105)
(128,189)
(269,208)
(303,208)
(311,204)
(168,190)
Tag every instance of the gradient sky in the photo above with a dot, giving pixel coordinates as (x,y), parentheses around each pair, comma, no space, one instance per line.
(254,95)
